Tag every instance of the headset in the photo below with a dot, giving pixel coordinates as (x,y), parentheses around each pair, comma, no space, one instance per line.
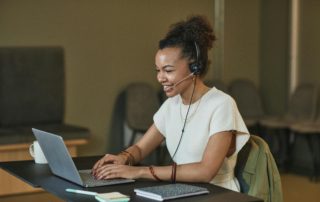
(196,67)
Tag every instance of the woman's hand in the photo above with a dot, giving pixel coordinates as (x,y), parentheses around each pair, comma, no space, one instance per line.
(110,171)
(108,159)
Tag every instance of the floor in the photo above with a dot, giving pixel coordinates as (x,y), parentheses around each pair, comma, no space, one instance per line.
(299,188)
(295,189)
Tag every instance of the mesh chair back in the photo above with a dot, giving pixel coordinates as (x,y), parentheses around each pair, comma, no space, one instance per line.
(141,103)
(303,102)
(247,98)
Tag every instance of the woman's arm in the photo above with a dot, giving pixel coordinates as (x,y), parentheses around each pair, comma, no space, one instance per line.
(218,147)
(149,142)
(134,154)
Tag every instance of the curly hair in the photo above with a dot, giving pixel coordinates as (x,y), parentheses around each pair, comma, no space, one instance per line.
(185,34)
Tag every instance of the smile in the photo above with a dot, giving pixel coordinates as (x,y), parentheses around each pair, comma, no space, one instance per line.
(167,88)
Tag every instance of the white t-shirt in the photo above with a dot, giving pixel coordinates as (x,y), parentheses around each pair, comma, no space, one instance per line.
(214,112)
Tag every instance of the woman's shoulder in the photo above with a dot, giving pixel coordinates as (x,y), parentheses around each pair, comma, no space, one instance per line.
(170,101)
(218,97)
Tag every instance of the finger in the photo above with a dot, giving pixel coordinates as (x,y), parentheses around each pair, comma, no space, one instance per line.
(102,172)
(99,162)
(95,167)
(109,173)
(105,168)
(106,159)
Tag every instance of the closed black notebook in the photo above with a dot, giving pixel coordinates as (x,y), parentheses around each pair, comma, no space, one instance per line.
(170,191)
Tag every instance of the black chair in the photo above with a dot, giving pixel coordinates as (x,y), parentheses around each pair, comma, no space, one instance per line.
(301,108)
(249,103)
(220,85)
(132,116)
(305,150)
(141,104)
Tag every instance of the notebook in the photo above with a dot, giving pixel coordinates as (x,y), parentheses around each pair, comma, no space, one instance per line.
(170,191)
(62,165)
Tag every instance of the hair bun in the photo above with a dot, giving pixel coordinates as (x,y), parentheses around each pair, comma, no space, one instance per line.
(196,28)
(184,34)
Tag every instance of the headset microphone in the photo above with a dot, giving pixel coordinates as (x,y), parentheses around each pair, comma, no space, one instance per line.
(182,80)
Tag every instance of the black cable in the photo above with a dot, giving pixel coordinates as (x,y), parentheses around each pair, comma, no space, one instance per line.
(185,120)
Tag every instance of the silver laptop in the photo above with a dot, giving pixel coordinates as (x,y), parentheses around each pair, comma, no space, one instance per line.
(62,165)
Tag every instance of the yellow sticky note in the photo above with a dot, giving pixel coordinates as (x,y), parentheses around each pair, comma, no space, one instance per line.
(112,196)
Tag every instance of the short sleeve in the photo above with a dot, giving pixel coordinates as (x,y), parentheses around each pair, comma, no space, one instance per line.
(159,118)
(226,117)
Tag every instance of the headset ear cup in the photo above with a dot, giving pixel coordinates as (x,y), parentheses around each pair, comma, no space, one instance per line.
(194,68)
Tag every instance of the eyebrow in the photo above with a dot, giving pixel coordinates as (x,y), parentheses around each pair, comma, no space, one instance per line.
(165,66)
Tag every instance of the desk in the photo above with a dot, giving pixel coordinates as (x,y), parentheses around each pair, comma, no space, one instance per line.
(38,175)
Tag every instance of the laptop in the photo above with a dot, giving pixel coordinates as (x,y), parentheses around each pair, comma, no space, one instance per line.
(62,165)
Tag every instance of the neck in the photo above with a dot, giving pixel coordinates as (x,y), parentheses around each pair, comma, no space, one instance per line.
(199,91)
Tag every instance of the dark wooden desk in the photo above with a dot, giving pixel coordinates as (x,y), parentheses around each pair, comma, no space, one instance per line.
(38,175)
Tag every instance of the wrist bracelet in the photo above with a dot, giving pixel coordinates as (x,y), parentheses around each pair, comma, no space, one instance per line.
(153,173)
(174,171)
(130,159)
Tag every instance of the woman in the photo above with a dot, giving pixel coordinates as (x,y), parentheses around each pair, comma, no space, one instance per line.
(202,126)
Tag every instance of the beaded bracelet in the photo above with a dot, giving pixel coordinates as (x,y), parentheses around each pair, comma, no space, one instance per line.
(153,173)
(130,159)
(139,153)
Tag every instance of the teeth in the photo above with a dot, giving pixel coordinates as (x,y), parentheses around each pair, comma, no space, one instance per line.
(166,88)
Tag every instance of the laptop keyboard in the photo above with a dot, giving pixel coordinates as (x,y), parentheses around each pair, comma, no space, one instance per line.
(90,181)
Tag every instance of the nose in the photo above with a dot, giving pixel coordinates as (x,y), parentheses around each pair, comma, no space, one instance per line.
(161,77)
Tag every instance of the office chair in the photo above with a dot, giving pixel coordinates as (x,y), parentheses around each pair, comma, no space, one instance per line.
(305,151)
(301,108)
(257,172)
(249,103)
(220,85)
(141,103)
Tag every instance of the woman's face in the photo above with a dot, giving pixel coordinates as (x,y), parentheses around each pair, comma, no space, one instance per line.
(172,68)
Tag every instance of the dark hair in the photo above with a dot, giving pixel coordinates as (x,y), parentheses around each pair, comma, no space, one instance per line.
(184,34)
